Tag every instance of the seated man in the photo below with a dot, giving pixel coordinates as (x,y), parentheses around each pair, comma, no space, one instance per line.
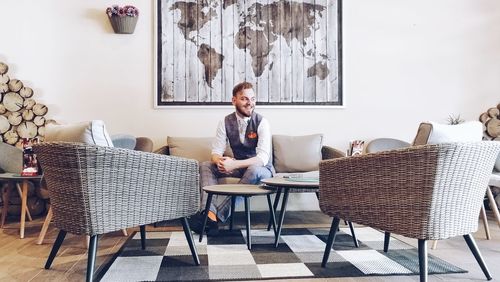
(249,136)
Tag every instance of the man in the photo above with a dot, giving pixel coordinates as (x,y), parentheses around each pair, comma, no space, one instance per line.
(249,136)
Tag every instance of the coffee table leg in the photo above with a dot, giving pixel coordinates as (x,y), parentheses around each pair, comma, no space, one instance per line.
(5,198)
(20,196)
(233,203)
(275,205)
(282,216)
(271,213)
(247,213)
(207,209)
(24,203)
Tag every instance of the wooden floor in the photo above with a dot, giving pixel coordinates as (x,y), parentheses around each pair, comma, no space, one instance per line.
(23,260)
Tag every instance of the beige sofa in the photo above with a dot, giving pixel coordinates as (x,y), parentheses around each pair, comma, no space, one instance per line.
(291,154)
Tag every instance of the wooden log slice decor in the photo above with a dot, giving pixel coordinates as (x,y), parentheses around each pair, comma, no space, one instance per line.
(493,112)
(40,109)
(4,78)
(15,85)
(4,124)
(39,121)
(27,129)
(28,115)
(26,92)
(29,103)
(4,88)
(13,102)
(15,118)
(4,68)
(3,110)
(41,132)
(493,127)
(11,137)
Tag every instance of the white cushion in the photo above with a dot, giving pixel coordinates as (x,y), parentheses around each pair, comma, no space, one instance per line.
(495,179)
(464,132)
(88,132)
(297,153)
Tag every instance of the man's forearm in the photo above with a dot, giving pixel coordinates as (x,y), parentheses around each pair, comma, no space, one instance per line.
(248,162)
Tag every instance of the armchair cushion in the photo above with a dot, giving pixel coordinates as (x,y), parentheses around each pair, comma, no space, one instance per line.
(435,133)
(88,132)
(124,141)
(289,152)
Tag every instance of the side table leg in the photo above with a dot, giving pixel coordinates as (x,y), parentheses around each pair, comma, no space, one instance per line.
(493,205)
(275,205)
(24,203)
(5,199)
(207,209)
(282,216)
(45,227)
(247,213)
(21,196)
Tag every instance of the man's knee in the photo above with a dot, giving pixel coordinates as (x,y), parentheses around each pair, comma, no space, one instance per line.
(257,172)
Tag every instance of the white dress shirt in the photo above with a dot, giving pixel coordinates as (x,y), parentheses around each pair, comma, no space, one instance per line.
(263,149)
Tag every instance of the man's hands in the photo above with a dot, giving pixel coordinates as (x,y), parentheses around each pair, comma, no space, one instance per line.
(226,164)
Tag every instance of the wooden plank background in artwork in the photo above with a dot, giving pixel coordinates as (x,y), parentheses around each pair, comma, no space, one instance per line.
(287,68)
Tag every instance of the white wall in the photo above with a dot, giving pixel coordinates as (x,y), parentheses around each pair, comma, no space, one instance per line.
(404,62)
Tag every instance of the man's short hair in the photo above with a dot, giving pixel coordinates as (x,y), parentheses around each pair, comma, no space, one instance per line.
(241,86)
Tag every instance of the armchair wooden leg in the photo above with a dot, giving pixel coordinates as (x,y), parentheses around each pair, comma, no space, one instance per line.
(356,244)
(387,239)
(485,222)
(55,248)
(493,205)
(475,251)
(233,203)
(331,239)
(422,259)
(45,226)
(275,206)
(434,244)
(124,232)
(91,258)
(143,236)
(189,238)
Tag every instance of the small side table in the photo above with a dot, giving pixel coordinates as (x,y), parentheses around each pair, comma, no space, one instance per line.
(235,190)
(14,178)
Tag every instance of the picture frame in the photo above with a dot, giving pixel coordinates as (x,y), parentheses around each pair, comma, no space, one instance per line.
(290,50)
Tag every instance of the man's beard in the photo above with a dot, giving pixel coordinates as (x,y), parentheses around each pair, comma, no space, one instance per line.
(240,111)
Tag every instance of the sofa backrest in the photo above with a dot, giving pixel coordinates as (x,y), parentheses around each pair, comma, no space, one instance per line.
(288,151)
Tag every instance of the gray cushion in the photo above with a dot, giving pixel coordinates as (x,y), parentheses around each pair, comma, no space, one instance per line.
(11,158)
(297,153)
(89,132)
(125,141)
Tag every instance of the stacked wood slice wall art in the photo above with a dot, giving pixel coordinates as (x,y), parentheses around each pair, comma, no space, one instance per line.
(491,121)
(20,115)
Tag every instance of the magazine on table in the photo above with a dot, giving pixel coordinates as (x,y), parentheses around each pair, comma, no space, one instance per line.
(30,163)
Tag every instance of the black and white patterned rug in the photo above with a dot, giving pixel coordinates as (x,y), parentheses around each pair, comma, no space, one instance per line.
(226,257)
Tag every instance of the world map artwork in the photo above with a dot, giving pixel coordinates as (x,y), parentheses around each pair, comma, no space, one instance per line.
(288,49)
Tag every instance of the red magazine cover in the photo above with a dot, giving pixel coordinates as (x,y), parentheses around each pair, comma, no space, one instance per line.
(30,164)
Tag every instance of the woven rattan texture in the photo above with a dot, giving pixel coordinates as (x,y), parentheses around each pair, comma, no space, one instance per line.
(424,192)
(95,190)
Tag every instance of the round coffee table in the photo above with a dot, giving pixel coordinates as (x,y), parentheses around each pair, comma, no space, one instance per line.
(13,178)
(238,190)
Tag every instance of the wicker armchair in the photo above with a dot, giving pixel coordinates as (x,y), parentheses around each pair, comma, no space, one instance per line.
(426,192)
(96,190)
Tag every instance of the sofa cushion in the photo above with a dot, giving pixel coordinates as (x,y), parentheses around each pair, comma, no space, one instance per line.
(88,132)
(198,148)
(124,141)
(297,153)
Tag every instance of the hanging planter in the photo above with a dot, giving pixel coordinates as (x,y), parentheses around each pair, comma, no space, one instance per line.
(123,19)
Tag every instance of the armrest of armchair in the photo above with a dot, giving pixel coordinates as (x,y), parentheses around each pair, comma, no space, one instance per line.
(95,190)
(328,152)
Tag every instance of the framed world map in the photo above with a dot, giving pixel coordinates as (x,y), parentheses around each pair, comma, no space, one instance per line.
(289,49)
